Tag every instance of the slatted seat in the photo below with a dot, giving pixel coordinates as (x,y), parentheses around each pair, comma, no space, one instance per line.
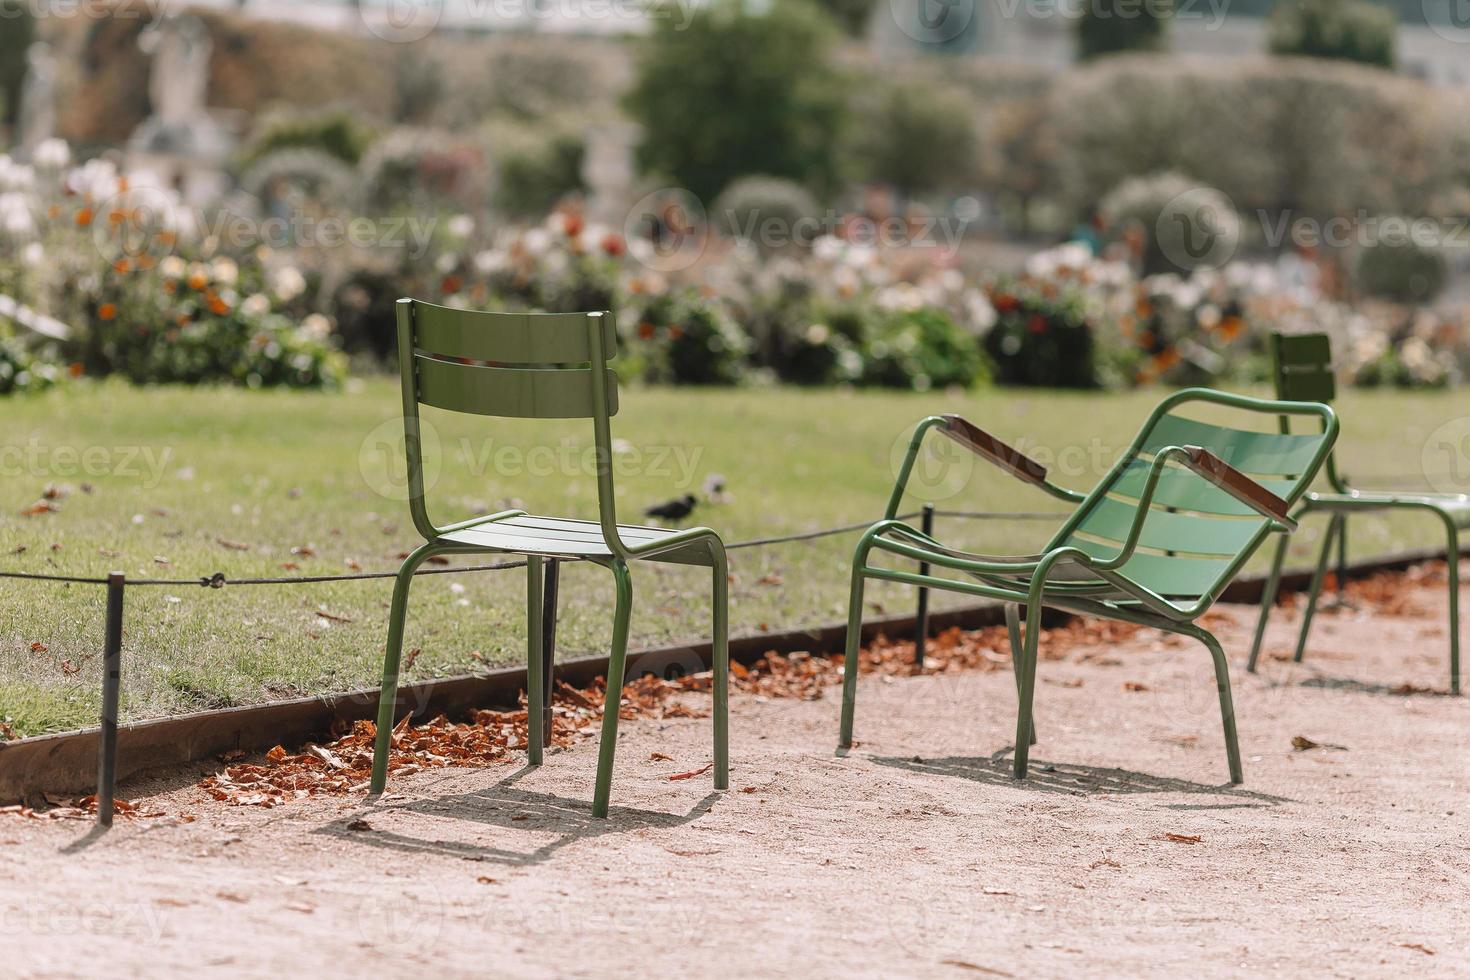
(537,366)
(555,537)
(1303,369)
(1154,543)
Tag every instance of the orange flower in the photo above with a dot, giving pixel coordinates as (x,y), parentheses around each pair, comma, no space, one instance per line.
(198,281)
(645,330)
(218,306)
(84,218)
(107,311)
(121,267)
(75,369)
(1166,358)
(1230,327)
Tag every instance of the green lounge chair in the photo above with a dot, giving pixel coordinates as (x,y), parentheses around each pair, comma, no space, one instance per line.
(1154,543)
(546,366)
(1303,369)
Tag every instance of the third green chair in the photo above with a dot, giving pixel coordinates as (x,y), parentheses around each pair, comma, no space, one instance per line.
(1303,370)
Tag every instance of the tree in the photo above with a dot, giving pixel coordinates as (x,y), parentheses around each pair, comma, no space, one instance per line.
(1347,30)
(735,92)
(920,137)
(17,32)
(1112,26)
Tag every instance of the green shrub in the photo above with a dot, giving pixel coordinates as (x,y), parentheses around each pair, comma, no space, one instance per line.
(737,92)
(852,16)
(688,339)
(17,32)
(921,350)
(1041,338)
(1347,30)
(1186,224)
(337,133)
(825,346)
(23,371)
(536,167)
(1112,26)
(767,211)
(919,136)
(1400,268)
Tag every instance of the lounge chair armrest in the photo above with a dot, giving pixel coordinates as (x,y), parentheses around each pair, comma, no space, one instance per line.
(1238,485)
(988,447)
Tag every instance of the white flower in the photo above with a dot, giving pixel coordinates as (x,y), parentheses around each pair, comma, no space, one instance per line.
(52,154)
(225,271)
(827,248)
(461,226)
(173,267)
(817,334)
(316,326)
(287,283)
(490,261)
(33,256)
(536,241)
(256,305)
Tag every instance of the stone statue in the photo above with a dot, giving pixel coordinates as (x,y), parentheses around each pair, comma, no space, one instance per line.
(179,83)
(37,115)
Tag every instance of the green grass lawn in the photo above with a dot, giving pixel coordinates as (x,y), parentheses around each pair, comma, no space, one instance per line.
(181,483)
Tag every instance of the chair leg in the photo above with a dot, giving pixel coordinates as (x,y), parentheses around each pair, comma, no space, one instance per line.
(1342,562)
(1027,692)
(1333,527)
(1227,705)
(1268,602)
(607,751)
(854,646)
(1013,627)
(548,642)
(535,676)
(1453,556)
(388,699)
(721,658)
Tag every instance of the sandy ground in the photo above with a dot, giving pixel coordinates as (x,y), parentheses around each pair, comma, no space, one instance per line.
(1125,854)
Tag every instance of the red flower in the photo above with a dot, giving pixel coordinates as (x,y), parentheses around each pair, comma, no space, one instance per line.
(1036,323)
(1005,302)
(614,245)
(450,285)
(572,225)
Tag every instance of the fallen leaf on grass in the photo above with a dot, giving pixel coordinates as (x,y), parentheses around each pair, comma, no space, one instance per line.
(691,773)
(39,647)
(1180,838)
(332,617)
(1134,686)
(69,668)
(232,545)
(484,880)
(38,508)
(774,578)
(659,757)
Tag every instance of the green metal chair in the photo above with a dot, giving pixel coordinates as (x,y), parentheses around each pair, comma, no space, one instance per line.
(542,366)
(1303,370)
(1154,543)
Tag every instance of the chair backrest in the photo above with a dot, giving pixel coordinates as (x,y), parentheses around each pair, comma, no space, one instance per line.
(1196,536)
(1302,367)
(508,365)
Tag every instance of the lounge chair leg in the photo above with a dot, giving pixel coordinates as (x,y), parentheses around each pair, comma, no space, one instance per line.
(1268,602)
(607,751)
(854,647)
(1227,705)
(1027,690)
(388,699)
(535,660)
(548,641)
(1316,590)
(1453,557)
(1342,563)
(1013,627)
(721,659)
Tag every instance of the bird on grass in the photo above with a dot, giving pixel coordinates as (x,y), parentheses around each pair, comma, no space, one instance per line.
(673,511)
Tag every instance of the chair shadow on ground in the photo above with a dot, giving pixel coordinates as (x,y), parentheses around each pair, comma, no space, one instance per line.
(1076,780)
(503,805)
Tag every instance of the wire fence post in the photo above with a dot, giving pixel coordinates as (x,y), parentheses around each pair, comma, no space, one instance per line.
(921,621)
(111,681)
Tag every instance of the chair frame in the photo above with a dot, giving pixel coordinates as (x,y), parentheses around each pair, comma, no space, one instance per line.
(1302,367)
(481,345)
(1032,582)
